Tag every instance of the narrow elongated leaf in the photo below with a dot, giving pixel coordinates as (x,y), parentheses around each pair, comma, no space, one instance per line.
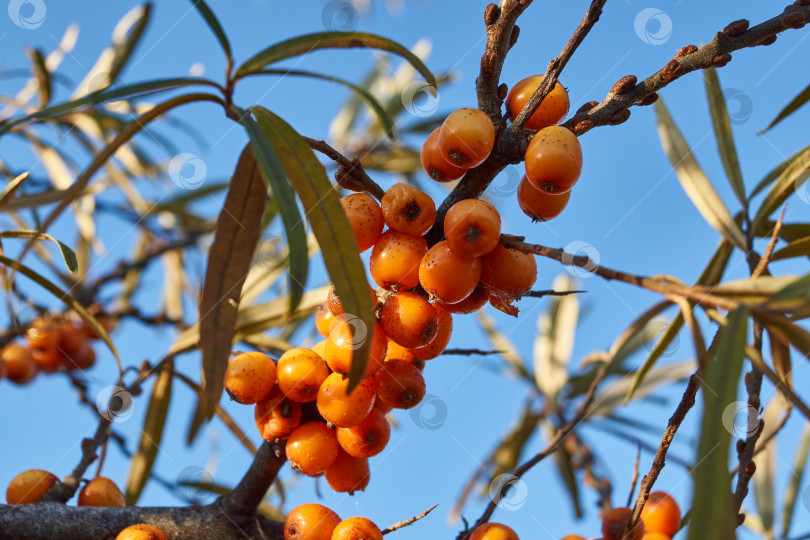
(213,23)
(238,230)
(792,489)
(791,179)
(42,75)
(763,480)
(329,225)
(798,337)
(797,248)
(12,186)
(723,133)
(554,343)
(712,514)
(777,171)
(124,45)
(790,108)
(780,356)
(694,181)
(67,254)
(140,468)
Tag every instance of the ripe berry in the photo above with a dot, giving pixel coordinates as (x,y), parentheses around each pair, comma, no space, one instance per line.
(18,363)
(400,384)
(71,338)
(472,303)
(409,319)
(365,217)
(250,377)
(320,349)
(472,228)
(366,439)
(614,525)
(493,531)
(341,408)
(101,491)
(448,277)
(346,336)
(554,159)
(142,531)
(552,109)
(573,537)
(538,204)
(276,416)
(382,407)
(408,210)
(29,486)
(300,373)
(310,522)
(394,262)
(84,358)
(323,319)
(312,447)
(49,360)
(397,351)
(661,514)
(466,138)
(43,334)
(348,474)
(439,343)
(654,536)
(508,271)
(357,528)
(335,305)
(435,165)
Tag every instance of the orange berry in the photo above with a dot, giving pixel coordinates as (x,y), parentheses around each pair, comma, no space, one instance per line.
(381,406)
(142,531)
(661,514)
(408,210)
(552,109)
(614,524)
(29,486)
(49,360)
(276,416)
(368,438)
(400,384)
(250,377)
(448,277)
(335,305)
(409,320)
(320,349)
(365,217)
(654,536)
(300,373)
(508,271)
(573,537)
(466,138)
(434,163)
(18,363)
(439,343)
(472,303)
(357,528)
(43,334)
(336,405)
(101,491)
(71,338)
(311,448)
(310,522)
(397,351)
(323,319)
(554,159)
(347,335)
(493,531)
(472,228)
(538,204)
(394,262)
(84,358)
(348,474)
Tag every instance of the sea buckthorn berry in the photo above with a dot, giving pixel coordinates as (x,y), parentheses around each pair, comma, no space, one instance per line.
(439,343)
(382,407)
(357,528)
(49,360)
(300,373)
(614,525)
(408,210)
(472,228)
(346,336)
(554,159)
(43,334)
(142,531)
(538,204)
(323,319)
(18,363)
(472,303)
(409,320)
(276,416)
(101,491)
(365,217)
(466,137)
(348,474)
(395,259)
(84,358)
(397,351)
(400,384)
(29,486)
(661,514)
(336,405)
(312,447)
(573,537)
(335,305)
(552,109)
(250,377)
(493,531)
(71,338)
(320,349)
(508,271)
(368,438)
(310,522)
(446,276)
(434,163)
(654,536)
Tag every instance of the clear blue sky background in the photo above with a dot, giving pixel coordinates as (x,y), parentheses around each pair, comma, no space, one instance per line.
(628,205)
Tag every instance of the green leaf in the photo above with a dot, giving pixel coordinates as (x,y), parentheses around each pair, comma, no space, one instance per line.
(329,225)
(789,180)
(797,248)
(67,254)
(12,186)
(713,514)
(723,133)
(42,76)
(694,181)
(791,107)
(213,23)
(792,490)
(777,171)
(331,40)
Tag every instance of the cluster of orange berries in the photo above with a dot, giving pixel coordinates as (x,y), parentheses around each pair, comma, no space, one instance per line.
(553,158)
(660,520)
(317,522)
(49,346)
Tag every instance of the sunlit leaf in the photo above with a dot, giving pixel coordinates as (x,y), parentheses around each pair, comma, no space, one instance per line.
(42,76)
(67,254)
(776,172)
(554,344)
(12,186)
(792,489)
(797,248)
(723,133)
(788,182)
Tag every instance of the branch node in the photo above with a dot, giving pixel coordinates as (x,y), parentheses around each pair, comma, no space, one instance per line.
(721,60)
(491,14)
(502,91)
(649,100)
(619,117)
(587,107)
(685,51)
(736,27)
(513,37)
(624,85)
(672,71)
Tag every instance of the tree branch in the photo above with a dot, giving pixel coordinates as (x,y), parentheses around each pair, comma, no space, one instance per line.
(246,496)
(63,491)
(350,174)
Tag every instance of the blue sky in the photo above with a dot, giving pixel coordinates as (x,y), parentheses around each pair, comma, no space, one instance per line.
(628,206)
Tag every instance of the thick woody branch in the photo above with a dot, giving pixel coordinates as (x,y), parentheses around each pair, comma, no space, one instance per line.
(246,496)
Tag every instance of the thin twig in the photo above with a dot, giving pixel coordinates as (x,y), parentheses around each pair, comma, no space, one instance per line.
(766,256)
(470,352)
(407,522)
(65,489)
(549,292)
(634,478)
(350,174)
